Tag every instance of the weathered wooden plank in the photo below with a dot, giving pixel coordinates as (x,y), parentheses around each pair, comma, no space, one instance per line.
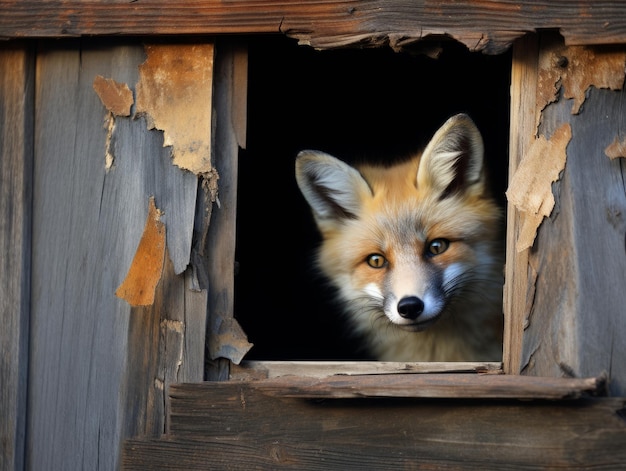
(321,369)
(434,385)
(575,318)
(226,341)
(235,426)
(489,26)
(86,359)
(524,71)
(16,160)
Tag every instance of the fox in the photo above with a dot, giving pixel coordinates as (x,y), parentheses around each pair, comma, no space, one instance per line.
(413,248)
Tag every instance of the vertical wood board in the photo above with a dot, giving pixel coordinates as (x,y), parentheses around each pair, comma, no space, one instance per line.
(225,338)
(87,222)
(523,92)
(16,155)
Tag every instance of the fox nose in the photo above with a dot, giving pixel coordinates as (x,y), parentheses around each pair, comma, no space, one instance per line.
(410,307)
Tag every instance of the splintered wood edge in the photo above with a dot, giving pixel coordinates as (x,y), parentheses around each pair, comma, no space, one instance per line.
(322,369)
(433,385)
(336,379)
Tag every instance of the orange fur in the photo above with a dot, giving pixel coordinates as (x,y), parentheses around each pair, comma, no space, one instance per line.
(417,305)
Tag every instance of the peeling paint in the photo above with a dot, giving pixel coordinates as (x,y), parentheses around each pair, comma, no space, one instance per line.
(530,189)
(138,288)
(174,93)
(115,96)
(574,69)
(616,149)
(227,340)
(159,384)
(531,291)
(109,125)
(173,325)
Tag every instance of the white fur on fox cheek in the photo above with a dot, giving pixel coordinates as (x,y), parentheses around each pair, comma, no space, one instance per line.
(452,272)
(373,290)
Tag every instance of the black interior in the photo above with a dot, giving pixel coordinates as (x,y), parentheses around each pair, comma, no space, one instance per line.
(354,104)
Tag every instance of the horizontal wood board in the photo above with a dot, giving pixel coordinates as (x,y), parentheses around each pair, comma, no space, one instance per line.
(489,26)
(436,385)
(232,425)
(321,369)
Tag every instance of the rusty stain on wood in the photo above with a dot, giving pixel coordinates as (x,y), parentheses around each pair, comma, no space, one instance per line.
(174,93)
(616,149)
(530,189)
(145,271)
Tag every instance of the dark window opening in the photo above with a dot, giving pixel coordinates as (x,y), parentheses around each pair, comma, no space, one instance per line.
(353,104)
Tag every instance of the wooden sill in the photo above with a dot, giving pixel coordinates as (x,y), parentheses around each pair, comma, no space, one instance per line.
(321,369)
(326,380)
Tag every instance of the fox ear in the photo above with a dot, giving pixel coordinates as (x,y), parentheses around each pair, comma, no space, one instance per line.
(332,188)
(453,159)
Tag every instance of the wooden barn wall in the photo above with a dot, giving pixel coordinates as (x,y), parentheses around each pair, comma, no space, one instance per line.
(82,370)
(99,368)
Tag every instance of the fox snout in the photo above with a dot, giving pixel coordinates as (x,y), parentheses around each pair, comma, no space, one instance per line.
(410,307)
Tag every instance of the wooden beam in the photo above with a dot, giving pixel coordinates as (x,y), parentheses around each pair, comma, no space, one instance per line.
(489,26)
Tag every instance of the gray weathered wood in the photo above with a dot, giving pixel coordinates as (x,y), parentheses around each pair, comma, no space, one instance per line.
(16,158)
(576,317)
(235,426)
(491,26)
(226,341)
(87,361)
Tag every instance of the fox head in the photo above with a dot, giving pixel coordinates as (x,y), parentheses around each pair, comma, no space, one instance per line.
(414,242)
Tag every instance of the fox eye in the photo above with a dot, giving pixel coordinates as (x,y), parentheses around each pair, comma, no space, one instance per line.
(376,260)
(438,246)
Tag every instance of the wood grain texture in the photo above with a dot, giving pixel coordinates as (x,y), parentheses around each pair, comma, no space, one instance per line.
(235,426)
(576,315)
(226,340)
(434,385)
(91,357)
(489,26)
(321,369)
(524,70)
(16,160)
